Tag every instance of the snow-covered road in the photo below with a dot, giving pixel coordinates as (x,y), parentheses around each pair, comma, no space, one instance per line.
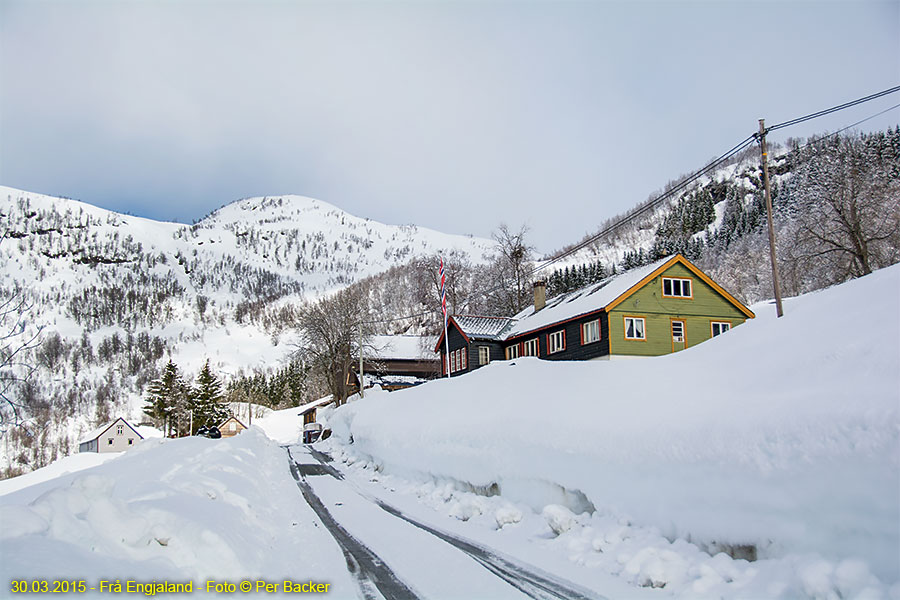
(394,555)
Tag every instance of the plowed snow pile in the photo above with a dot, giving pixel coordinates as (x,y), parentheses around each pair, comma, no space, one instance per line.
(780,437)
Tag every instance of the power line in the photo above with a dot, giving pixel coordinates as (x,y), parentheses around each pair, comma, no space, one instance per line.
(828,111)
(740,146)
(843,129)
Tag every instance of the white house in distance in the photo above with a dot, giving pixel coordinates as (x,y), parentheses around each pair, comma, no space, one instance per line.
(118,436)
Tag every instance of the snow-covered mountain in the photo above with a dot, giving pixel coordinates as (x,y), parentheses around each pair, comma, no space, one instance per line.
(113,294)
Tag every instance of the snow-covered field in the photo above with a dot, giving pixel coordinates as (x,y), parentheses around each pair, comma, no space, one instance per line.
(780,437)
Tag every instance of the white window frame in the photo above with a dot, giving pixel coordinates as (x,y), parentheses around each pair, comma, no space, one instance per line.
(723,327)
(678,338)
(586,327)
(120,429)
(643,329)
(528,345)
(484,355)
(676,287)
(512,352)
(458,360)
(556,341)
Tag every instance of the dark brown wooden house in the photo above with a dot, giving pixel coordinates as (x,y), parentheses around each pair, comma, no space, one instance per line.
(396,362)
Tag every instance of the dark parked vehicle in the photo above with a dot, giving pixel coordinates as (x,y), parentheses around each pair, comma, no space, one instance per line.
(210,432)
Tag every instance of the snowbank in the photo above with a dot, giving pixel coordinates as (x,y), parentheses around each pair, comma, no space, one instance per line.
(63,466)
(192,509)
(781,435)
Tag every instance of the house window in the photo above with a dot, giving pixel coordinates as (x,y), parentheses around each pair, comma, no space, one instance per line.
(512,352)
(677,288)
(719,327)
(458,360)
(678,331)
(130,441)
(120,429)
(530,348)
(590,332)
(109,442)
(634,328)
(484,355)
(232,426)
(556,341)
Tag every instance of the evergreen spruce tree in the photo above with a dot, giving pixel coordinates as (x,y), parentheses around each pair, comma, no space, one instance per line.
(165,396)
(207,404)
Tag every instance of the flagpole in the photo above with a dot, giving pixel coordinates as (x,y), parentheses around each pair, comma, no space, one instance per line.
(444,308)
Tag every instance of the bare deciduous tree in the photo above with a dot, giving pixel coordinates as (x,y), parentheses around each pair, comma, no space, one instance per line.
(511,267)
(17,339)
(847,212)
(330,337)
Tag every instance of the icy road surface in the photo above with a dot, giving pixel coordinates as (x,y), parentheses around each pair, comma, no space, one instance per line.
(395,556)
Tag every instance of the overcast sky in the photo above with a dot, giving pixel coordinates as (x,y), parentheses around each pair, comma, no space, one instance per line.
(448,114)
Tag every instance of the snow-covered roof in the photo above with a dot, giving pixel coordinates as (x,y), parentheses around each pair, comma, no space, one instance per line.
(232,418)
(581,301)
(305,408)
(490,328)
(594,297)
(408,347)
(93,435)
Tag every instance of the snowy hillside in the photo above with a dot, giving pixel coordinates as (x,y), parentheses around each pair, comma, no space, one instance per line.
(614,482)
(778,440)
(113,295)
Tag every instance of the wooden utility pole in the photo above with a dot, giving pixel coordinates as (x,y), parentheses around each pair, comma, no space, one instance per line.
(362,394)
(776,279)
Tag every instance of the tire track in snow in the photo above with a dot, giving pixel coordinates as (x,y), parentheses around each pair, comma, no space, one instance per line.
(527,579)
(374,578)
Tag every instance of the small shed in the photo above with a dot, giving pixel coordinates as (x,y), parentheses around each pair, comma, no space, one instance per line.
(231,427)
(117,436)
(308,411)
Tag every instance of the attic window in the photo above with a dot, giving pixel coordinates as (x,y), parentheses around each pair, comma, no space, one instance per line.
(676,288)
(120,429)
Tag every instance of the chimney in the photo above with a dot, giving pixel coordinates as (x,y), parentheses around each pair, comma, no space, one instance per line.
(540,295)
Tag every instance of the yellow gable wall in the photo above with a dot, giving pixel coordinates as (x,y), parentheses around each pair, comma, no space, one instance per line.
(658,312)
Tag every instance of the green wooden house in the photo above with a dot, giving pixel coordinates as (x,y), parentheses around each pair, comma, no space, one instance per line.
(657,309)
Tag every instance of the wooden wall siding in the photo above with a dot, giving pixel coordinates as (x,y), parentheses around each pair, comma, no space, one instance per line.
(496,352)
(457,341)
(574,350)
(706,305)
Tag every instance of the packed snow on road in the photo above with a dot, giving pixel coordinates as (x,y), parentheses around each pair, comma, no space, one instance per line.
(763,463)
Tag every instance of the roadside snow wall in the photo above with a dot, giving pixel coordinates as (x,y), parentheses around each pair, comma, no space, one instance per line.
(782,434)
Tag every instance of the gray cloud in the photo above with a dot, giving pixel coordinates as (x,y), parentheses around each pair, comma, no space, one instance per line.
(452,115)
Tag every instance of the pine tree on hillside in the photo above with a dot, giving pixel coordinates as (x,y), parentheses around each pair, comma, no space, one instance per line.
(207,400)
